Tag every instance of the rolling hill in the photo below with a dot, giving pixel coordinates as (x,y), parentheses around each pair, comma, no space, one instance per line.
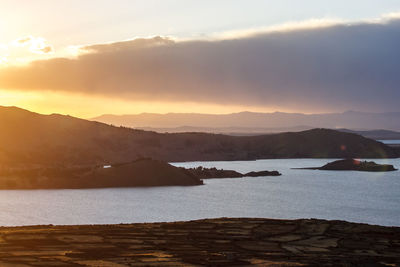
(31,139)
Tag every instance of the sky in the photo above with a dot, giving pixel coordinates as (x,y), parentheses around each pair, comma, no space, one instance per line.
(86,58)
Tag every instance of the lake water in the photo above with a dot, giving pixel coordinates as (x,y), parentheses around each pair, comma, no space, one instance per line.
(345,195)
(390,142)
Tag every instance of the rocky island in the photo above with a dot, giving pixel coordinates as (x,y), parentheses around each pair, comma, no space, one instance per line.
(208,173)
(354,165)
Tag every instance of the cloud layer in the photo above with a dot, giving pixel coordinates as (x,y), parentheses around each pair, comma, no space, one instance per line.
(334,67)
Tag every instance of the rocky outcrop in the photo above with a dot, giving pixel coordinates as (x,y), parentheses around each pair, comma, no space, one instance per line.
(208,173)
(355,165)
(211,242)
(262,173)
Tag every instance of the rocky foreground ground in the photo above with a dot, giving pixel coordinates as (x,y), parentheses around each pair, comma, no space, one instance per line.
(215,242)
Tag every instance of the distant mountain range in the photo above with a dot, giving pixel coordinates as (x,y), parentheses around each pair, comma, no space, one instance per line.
(243,131)
(254,123)
(31,139)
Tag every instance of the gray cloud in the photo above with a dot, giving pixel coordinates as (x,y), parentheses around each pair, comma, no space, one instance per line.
(339,67)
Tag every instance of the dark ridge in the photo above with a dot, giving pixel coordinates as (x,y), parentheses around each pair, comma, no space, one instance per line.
(139,173)
(29,140)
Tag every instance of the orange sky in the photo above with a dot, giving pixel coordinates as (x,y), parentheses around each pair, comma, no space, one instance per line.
(44,68)
(86,106)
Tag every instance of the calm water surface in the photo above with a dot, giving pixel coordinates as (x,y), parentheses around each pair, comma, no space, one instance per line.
(390,142)
(353,196)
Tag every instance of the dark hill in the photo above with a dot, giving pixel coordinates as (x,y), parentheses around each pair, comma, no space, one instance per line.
(28,138)
(141,172)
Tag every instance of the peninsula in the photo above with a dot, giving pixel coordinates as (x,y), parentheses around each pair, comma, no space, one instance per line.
(138,173)
(143,172)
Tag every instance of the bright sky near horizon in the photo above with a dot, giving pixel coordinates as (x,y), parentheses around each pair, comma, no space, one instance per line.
(45,29)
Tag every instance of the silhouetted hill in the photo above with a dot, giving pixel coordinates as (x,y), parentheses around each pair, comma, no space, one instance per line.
(31,138)
(250,122)
(142,172)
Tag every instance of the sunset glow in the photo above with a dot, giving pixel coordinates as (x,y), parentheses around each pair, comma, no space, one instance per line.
(85,106)
(124,58)
(199,133)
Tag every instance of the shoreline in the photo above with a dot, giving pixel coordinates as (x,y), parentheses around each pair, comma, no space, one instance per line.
(11,227)
(221,241)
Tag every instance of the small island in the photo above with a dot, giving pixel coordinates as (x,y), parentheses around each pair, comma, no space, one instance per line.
(354,165)
(208,173)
